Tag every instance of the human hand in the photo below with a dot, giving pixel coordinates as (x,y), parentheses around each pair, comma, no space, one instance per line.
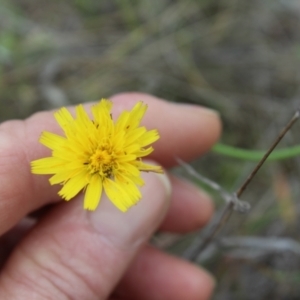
(70,253)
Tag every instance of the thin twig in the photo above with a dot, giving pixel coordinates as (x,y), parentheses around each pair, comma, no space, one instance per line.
(262,161)
(265,244)
(194,252)
(250,247)
(201,243)
(240,206)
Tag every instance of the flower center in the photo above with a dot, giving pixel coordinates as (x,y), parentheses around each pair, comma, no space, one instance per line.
(102,161)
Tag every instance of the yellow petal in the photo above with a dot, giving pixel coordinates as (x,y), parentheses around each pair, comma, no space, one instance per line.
(128,188)
(47,165)
(148,137)
(148,168)
(133,135)
(93,193)
(130,168)
(126,158)
(52,140)
(144,152)
(64,118)
(101,112)
(136,115)
(81,115)
(114,194)
(64,176)
(122,121)
(73,186)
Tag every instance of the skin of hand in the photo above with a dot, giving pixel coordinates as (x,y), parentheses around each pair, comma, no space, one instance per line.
(65,252)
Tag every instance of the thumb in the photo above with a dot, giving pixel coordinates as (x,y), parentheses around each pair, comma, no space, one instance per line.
(75,254)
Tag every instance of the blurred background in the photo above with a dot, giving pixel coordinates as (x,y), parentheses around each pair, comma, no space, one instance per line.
(239,57)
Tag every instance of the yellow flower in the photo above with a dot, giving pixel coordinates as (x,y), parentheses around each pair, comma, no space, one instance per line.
(99,153)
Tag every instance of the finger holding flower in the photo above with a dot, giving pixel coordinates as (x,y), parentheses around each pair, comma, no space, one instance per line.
(103,254)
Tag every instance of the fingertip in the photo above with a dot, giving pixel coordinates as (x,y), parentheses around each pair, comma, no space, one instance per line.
(186,130)
(165,180)
(201,282)
(207,126)
(156,275)
(190,208)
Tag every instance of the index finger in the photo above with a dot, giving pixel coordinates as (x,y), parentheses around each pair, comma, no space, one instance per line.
(186,132)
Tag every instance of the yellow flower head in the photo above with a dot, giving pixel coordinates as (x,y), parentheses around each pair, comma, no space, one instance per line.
(99,153)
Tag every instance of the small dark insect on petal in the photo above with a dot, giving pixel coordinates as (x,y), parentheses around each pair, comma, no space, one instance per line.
(96,124)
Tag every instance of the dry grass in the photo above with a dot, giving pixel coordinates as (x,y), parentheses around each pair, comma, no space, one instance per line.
(237,56)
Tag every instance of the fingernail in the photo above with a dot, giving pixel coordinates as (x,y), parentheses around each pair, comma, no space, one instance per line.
(166,182)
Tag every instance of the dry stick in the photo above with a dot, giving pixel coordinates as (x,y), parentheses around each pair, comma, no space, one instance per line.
(197,249)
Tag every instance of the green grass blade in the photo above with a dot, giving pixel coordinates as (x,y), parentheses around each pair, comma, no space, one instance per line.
(254,155)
